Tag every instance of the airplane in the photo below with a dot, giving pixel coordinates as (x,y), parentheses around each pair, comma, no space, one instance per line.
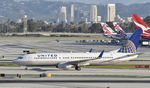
(108,32)
(119,33)
(140,24)
(119,30)
(69,60)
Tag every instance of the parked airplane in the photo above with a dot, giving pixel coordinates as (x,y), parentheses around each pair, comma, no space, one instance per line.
(69,60)
(140,24)
(118,34)
(119,30)
(108,32)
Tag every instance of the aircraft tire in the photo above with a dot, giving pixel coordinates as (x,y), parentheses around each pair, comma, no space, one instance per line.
(77,68)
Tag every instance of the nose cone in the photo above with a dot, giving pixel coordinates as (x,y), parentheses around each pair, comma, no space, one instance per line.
(18,60)
(15,61)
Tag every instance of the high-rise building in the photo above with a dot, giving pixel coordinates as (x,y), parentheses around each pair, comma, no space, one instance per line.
(25,24)
(63,14)
(93,14)
(72,14)
(98,19)
(111,12)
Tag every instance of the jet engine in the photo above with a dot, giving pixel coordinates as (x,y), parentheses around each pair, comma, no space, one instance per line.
(64,65)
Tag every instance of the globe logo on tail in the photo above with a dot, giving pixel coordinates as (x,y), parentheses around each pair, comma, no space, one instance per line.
(128,47)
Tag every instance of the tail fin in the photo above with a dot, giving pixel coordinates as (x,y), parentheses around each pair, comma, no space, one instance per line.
(140,24)
(131,45)
(107,30)
(119,30)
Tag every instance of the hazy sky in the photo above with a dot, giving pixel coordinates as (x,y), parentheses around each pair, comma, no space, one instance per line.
(126,2)
(112,1)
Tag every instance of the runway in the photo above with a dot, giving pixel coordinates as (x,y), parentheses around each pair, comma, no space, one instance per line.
(75,81)
(84,71)
(86,78)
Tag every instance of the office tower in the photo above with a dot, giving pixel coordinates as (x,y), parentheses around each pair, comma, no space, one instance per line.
(63,14)
(111,12)
(72,14)
(77,15)
(98,19)
(93,14)
(25,24)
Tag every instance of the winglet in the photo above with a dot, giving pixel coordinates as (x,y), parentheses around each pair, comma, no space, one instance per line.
(90,50)
(101,54)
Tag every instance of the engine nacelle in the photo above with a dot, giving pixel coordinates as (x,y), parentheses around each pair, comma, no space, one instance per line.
(64,65)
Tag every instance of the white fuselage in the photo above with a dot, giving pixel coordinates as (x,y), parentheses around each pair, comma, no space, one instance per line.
(49,59)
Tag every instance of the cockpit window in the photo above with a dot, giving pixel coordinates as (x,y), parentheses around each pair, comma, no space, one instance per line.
(20,57)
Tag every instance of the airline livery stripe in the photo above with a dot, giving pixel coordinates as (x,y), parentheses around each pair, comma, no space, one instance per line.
(127,50)
(128,47)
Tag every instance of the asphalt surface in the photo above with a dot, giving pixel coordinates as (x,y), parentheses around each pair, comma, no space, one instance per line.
(75,81)
(112,78)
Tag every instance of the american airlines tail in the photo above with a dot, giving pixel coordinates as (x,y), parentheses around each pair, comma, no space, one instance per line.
(119,30)
(107,30)
(140,24)
(131,45)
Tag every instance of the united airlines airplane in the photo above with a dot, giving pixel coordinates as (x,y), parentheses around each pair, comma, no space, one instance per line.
(68,60)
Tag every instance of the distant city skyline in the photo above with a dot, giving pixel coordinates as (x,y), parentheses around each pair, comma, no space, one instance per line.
(72,12)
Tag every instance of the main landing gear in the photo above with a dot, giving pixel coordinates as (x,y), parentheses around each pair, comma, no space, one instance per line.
(77,68)
(26,68)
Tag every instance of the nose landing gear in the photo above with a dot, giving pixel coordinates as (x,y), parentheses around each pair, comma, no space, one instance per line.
(26,68)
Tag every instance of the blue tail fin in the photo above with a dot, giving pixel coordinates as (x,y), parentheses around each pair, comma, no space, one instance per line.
(132,43)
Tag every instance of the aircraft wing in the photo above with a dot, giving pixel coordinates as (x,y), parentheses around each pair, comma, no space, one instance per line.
(80,61)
